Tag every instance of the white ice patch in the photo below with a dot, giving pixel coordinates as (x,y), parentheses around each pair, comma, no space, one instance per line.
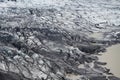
(33,3)
(2,66)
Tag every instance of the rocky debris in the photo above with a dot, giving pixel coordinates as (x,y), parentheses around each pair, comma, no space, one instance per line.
(113,78)
(11,76)
(98,78)
(91,48)
(100,63)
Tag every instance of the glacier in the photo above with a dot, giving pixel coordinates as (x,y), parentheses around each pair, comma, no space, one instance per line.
(53,39)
